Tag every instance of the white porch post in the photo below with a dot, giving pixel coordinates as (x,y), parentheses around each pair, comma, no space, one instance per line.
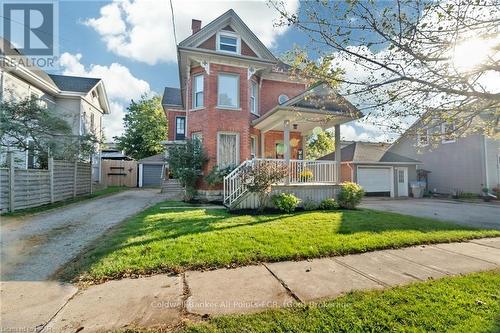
(262,144)
(286,141)
(304,146)
(338,157)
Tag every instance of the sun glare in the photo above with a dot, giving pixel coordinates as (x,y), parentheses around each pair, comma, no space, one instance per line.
(471,53)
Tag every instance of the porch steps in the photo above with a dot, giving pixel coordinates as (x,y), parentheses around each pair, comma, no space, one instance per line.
(172,189)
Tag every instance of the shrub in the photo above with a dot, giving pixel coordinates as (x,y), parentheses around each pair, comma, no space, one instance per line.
(350,195)
(216,175)
(286,202)
(186,162)
(308,204)
(328,204)
(260,177)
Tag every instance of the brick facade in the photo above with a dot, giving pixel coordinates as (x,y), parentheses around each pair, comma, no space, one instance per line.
(271,90)
(210,119)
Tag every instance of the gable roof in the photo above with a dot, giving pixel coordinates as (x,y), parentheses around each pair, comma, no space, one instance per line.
(321,97)
(172,97)
(370,152)
(155,159)
(74,83)
(232,19)
(7,49)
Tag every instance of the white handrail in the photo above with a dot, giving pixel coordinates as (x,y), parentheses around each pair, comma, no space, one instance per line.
(299,172)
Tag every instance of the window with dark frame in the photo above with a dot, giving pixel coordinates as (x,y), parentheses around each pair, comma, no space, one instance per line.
(180,128)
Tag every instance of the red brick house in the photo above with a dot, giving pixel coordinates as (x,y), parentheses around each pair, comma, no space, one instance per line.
(242,103)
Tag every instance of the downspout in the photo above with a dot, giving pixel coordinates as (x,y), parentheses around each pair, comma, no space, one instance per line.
(2,84)
(188,83)
(487,181)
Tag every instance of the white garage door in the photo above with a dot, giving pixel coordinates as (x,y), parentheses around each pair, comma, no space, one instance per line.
(375,179)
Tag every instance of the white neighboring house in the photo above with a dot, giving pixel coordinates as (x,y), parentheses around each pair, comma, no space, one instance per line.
(81,101)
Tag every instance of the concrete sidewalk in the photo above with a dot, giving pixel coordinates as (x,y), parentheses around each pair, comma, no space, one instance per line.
(166,300)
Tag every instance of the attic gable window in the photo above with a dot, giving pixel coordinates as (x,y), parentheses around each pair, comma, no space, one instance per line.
(228,42)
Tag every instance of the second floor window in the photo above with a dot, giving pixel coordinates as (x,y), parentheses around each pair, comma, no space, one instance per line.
(92,122)
(423,137)
(254,106)
(448,131)
(228,91)
(198,91)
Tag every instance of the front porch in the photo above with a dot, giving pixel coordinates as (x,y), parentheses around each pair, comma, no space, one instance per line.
(317,108)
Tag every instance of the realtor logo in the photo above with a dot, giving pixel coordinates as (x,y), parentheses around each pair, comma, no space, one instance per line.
(31,28)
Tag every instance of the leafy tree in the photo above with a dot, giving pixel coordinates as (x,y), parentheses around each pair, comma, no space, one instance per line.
(186,162)
(28,125)
(259,178)
(407,59)
(320,144)
(145,128)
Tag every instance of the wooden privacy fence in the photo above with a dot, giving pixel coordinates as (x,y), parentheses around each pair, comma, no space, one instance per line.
(26,188)
(119,173)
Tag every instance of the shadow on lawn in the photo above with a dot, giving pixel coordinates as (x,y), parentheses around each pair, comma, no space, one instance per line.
(361,220)
(165,224)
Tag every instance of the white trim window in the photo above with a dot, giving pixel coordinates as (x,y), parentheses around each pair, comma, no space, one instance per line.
(447,131)
(228,149)
(197,136)
(423,137)
(228,91)
(197,91)
(254,97)
(253,146)
(228,42)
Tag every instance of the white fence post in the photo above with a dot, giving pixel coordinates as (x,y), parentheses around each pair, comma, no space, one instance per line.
(12,173)
(74,179)
(51,179)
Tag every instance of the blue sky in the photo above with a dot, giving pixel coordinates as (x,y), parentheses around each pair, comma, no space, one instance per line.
(130,45)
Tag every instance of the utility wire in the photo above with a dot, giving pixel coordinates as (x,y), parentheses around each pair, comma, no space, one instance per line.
(173,21)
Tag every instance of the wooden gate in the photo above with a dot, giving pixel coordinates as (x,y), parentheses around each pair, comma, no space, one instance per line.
(119,173)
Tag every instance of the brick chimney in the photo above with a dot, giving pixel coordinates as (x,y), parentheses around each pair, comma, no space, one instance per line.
(195,25)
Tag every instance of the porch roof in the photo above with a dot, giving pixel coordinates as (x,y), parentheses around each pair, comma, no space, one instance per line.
(319,106)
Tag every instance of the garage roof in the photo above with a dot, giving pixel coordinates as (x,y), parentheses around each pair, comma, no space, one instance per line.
(155,159)
(370,152)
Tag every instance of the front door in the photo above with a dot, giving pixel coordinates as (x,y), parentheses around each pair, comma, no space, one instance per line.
(402,180)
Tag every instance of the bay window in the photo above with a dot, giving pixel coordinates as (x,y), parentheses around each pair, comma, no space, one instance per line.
(254,106)
(180,128)
(197,91)
(228,91)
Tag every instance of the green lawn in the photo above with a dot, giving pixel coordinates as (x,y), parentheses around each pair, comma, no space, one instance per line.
(458,304)
(107,191)
(173,240)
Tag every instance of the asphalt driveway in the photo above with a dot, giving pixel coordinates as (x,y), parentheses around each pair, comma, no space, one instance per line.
(34,247)
(480,215)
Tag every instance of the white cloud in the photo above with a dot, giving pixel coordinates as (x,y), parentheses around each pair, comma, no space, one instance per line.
(121,87)
(358,132)
(142,29)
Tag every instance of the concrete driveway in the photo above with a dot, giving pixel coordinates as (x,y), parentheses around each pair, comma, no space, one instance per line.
(474,214)
(32,248)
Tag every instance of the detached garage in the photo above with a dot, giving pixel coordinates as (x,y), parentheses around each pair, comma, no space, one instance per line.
(379,171)
(151,171)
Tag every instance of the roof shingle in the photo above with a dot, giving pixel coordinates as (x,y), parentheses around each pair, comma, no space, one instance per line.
(74,83)
(172,97)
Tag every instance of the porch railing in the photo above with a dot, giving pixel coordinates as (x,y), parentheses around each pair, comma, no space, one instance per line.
(299,172)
